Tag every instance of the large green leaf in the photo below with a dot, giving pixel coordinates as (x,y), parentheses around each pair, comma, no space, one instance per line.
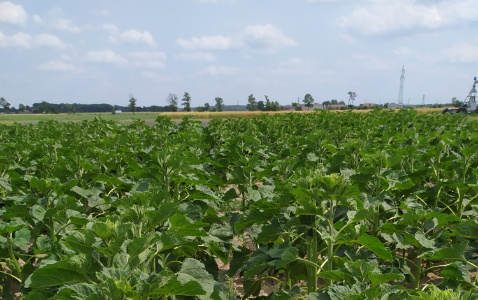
(376,246)
(60,273)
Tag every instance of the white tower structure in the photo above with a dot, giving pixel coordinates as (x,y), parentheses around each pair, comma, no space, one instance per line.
(472,105)
(423,100)
(400,92)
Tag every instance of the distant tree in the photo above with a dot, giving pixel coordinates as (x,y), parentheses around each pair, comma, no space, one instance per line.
(186,102)
(207,106)
(261,105)
(352,96)
(5,104)
(173,102)
(385,105)
(21,107)
(325,104)
(132,104)
(275,106)
(342,102)
(44,107)
(334,102)
(219,104)
(297,106)
(252,104)
(308,101)
(455,102)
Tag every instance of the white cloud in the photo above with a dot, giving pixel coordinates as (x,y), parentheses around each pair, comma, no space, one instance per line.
(263,37)
(219,70)
(25,40)
(462,53)
(195,56)
(212,42)
(55,19)
(385,16)
(109,27)
(148,59)
(137,37)
(266,37)
(66,25)
(105,56)
(38,19)
(56,65)
(12,13)
(293,66)
(48,40)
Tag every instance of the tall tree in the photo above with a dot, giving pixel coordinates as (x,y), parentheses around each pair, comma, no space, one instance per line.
(352,96)
(207,106)
(252,104)
(21,107)
(261,105)
(219,104)
(308,101)
(173,102)
(269,105)
(132,104)
(44,106)
(325,104)
(186,102)
(5,104)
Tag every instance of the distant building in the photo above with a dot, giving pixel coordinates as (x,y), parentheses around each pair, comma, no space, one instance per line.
(393,106)
(118,111)
(314,106)
(368,105)
(287,107)
(336,106)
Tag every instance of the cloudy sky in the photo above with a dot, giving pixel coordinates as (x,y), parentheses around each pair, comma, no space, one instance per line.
(106,51)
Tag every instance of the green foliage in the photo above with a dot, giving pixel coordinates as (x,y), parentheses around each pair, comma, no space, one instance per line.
(320,205)
(186,102)
(132,104)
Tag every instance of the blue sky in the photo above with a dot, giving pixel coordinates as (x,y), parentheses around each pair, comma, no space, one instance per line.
(107,51)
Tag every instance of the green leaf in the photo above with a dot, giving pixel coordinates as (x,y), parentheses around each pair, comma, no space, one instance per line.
(378,279)
(174,287)
(454,252)
(38,212)
(332,275)
(80,241)
(40,185)
(457,272)
(376,246)
(181,224)
(17,211)
(468,229)
(60,273)
(197,272)
(139,245)
(86,193)
(424,242)
(22,239)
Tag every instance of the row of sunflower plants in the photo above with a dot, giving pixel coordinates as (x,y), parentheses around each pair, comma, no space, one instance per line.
(294,206)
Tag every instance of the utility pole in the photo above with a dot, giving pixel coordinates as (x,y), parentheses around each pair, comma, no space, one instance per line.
(400,92)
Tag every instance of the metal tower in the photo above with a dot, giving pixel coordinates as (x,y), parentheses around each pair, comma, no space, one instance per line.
(400,92)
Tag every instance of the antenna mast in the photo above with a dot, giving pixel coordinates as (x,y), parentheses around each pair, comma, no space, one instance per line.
(400,92)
